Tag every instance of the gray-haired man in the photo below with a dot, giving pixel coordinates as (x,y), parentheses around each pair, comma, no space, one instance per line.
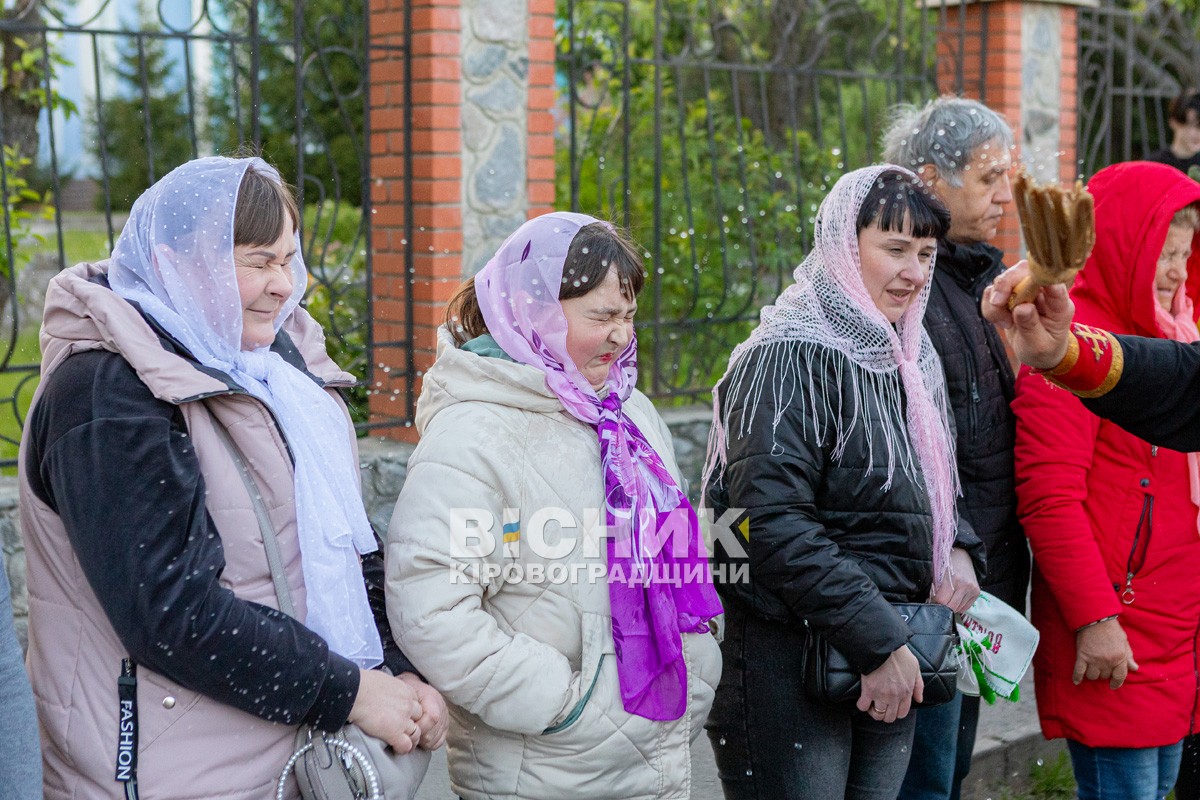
(961,148)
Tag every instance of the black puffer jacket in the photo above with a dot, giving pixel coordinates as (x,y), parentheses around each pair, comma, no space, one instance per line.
(827,542)
(980,384)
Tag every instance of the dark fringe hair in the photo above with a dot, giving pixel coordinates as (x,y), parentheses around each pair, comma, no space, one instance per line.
(263,205)
(595,249)
(900,202)
(1188,100)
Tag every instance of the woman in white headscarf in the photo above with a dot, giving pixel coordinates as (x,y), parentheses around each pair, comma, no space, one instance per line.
(176,376)
(832,441)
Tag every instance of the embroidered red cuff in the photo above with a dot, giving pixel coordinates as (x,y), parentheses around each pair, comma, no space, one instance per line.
(1092,365)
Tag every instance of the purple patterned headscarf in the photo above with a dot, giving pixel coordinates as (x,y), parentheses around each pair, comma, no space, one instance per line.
(518,295)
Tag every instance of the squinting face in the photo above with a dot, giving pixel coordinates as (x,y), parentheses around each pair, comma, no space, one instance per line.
(599,326)
(977,206)
(895,267)
(1186,140)
(264,281)
(1171,271)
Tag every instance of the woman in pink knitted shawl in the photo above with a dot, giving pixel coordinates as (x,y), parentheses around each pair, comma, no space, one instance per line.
(832,442)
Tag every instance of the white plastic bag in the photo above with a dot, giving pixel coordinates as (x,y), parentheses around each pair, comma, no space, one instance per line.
(997,647)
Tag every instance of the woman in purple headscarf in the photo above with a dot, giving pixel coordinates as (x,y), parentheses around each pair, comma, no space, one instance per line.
(544,567)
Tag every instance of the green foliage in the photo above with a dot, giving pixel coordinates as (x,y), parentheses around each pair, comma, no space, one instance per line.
(119,124)
(22,205)
(729,225)
(750,109)
(25,74)
(855,117)
(332,71)
(730,222)
(335,252)
(25,59)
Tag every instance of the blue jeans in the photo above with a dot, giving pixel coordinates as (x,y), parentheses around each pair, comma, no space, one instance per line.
(942,748)
(772,743)
(21,755)
(1124,773)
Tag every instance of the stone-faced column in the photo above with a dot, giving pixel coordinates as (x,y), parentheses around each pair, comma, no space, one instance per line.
(507,122)
(495,68)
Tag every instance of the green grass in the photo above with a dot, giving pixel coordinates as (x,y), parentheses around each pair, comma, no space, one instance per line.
(1053,780)
(84,246)
(84,237)
(1048,780)
(80,243)
(16,392)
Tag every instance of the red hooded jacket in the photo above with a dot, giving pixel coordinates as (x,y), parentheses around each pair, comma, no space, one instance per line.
(1109,516)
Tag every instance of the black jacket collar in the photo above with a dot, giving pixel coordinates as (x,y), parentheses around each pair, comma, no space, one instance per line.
(967,263)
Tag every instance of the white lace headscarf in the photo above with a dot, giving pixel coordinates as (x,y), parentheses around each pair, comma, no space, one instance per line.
(174,258)
(827,321)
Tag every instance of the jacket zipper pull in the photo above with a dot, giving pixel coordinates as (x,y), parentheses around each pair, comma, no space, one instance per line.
(1127,595)
(1153,450)
(975,398)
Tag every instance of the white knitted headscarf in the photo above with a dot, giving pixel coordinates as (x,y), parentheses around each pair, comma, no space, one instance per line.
(826,321)
(174,258)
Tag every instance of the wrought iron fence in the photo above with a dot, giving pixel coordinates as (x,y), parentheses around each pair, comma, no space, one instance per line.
(111,97)
(713,130)
(1132,63)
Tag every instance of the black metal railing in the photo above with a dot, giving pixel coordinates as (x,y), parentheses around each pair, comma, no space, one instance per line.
(1132,63)
(713,131)
(145,88)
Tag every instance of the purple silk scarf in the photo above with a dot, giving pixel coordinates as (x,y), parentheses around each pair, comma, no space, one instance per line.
(658,577)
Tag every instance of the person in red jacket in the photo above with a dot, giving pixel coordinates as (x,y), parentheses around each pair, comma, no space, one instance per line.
(1113,520)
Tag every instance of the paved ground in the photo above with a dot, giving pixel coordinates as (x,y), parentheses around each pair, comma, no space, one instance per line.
(1008,742)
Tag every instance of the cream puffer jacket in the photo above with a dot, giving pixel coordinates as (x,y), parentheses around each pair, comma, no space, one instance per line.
(526,660)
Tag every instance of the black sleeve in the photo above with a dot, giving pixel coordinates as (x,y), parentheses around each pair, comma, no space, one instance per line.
(1157,398)
(117,466)
(375,576)
(775,477)
(965,536)
(968,540)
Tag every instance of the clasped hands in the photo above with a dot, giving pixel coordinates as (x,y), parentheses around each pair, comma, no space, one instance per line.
(889,692)
(404,711)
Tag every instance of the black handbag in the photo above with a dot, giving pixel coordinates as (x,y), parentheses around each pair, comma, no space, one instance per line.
(829,678)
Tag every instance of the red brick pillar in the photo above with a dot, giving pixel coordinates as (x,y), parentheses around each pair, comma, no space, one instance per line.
(543,100)
(1021,59)
(480,164)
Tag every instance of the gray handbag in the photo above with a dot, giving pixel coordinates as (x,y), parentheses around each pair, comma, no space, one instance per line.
(350,765)
(347,764)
